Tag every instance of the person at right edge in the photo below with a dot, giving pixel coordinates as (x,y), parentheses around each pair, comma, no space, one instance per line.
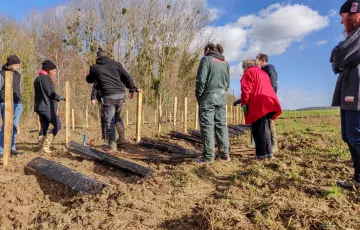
(260,104)
(345,60)
(212,84)
(111,79)
(271,72)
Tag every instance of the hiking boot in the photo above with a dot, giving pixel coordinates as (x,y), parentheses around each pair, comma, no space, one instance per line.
(270,156)
(120,130)
(41,141)
(15,152)
(225,157)
(204,160)
(47,143)
(112,146)
(349,185)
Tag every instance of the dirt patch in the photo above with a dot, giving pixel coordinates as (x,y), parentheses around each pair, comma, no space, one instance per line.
(294,191)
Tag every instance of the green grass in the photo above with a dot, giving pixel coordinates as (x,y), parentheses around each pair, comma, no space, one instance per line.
(332,192)
(309,113)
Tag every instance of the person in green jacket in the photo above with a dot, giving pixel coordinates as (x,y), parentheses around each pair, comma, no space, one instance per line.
(212,84)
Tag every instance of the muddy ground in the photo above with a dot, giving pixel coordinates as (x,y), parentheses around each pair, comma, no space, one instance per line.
(294,191)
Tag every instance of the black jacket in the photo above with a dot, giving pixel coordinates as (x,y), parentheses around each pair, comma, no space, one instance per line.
(16,85)
(270,70)
(95,93)
(45,96)
(111,77)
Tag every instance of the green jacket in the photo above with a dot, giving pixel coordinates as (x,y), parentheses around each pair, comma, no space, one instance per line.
(213,75)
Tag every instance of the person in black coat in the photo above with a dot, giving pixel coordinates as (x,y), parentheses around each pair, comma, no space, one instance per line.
(45,105)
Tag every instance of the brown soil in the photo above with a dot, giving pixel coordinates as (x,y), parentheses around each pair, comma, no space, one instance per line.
(294,191)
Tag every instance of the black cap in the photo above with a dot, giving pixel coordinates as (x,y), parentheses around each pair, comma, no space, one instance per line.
(12,60)
(350,6)
(48,65)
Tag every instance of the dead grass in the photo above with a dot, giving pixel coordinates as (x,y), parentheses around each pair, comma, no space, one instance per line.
(294,191)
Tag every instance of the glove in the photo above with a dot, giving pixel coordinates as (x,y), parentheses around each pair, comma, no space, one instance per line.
(61,98)
(237,102)
(245,108)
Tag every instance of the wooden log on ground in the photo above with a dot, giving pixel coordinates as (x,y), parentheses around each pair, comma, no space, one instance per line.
(240,127)
(182,136)
(167,147)
(197,133)
(104,158)
(66,176)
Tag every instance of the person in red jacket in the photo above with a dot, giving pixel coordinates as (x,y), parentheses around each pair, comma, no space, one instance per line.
(260,105)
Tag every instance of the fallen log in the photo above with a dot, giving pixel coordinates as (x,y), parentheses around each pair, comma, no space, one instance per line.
(123,165)
(240,128)
(182,136)
(197,133)
(66,176)
(170,148)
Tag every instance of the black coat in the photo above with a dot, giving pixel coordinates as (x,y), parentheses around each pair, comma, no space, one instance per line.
(110,76)
(46,99)
(16,85)
(270,70)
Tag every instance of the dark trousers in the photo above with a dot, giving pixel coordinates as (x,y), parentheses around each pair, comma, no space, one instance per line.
(47,118)
(262,136)
(350,131)
(111,113)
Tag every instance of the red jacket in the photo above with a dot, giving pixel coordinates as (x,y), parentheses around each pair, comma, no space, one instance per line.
(258,94)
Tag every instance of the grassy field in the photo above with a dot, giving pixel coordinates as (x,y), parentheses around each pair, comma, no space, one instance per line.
(309,113)
(296,190)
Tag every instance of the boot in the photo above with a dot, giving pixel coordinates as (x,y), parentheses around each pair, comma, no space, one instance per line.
(103,134)
(47,143)
(112,146)
(274,143)
(41,141)
(120,130)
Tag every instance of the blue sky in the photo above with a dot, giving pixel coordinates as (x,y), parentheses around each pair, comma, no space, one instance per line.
(297,35)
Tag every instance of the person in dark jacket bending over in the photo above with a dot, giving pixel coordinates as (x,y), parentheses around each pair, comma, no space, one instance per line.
(111,79)
(212,84)
(345,60)
(45,105)
(12,64)
(271,72)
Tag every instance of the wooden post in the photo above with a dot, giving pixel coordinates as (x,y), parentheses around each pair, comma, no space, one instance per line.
(166,117)
(170,117)
(185,114)
(288,113)
(295,113)
(155,118)
(197,116)
(67,113)
(160,115)
(39,123)
(175,111)
(127,117)
(138,116)
(87,118)
(9,116)
(237,115)
(182,116)
(73,119)
(231,115)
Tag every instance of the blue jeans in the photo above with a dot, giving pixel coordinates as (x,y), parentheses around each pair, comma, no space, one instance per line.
(17,113)
(111,114)
(350,131)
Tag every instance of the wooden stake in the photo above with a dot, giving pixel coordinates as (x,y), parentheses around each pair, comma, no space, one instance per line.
(175,112)
(237,115)
(127,117)
(170,117)
(295,113)
(9,116)
(197,116)
(155,116)
(138,116)
(185,115)
(231,114)
(288,113)
(166,117)
(160,115)
(67,113)
(73,119)
(143,117)
(87,118)
(39,123)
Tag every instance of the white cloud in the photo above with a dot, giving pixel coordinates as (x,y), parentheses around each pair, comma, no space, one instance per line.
(273,30)
(333,13)
(215,13)
(320,43)
(236,71)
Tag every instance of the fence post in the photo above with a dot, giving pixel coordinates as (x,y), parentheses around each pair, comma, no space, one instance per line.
(9,116)
(175,112)
(295,113)
(67,113)
(138,117)
(160,115)
(73,119)
(288,113)
(127,117)
(185,114)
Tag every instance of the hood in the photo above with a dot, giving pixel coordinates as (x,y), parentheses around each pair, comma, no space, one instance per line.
(42,72)
(6,68)
(102,60)
(217,55)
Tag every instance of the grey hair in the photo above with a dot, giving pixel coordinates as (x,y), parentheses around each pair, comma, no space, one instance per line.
(246,64)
